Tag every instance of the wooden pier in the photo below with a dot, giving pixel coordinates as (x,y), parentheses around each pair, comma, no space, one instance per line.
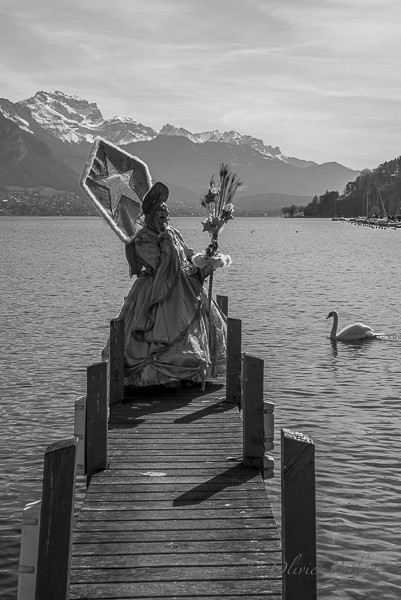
(176,515)
(176,504)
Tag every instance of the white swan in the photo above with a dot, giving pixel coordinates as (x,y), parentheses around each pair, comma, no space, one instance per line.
(357,331)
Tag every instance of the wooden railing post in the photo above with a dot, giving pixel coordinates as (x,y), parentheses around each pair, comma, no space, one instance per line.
(252,411)
(298,513)
(56,522)
(233,374)
(96,419)
(222,303)
(116,360)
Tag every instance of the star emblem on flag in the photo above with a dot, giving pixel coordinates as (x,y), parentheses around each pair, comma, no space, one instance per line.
(118,185)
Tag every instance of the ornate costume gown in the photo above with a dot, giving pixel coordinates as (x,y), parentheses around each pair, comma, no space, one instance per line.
(169,334)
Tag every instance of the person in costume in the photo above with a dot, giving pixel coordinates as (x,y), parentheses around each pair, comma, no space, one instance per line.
(171,335)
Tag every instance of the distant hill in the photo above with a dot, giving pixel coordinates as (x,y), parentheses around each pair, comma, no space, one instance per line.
(27,161)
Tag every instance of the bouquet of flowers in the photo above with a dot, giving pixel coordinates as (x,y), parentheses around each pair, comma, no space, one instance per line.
(218,202)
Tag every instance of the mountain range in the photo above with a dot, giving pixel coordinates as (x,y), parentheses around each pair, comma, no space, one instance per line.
(45,141)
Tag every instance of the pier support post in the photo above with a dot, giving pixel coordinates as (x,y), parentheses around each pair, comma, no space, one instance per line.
(233,373)
(56,521)
(222,303)
(252,411)
(29,551)
(298,513)
(268,426)
(116,366)
(96,419)
(79,433)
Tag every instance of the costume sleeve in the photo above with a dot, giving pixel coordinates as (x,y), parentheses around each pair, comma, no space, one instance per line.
(149,250)
(189,252)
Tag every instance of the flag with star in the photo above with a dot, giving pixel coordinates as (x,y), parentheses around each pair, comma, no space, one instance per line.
(116,183)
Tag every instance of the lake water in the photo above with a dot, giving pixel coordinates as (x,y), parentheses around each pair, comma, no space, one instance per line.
(63,279)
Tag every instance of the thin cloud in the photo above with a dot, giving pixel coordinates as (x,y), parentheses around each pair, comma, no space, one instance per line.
(318,78)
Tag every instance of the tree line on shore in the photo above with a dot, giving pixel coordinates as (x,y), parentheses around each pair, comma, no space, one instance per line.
(373,192)
(293,211)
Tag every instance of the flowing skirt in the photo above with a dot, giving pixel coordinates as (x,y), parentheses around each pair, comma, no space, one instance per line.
(172,340)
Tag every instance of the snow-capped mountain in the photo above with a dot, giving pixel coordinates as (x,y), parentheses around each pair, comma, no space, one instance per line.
(228,137)
(74,120)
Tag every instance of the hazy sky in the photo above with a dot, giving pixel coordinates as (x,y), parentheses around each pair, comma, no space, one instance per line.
(318,78)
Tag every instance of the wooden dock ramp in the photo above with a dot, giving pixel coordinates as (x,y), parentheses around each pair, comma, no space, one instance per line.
(176,514)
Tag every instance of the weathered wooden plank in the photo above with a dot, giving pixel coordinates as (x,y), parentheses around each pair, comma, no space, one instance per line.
(229,453)
(176,589)
(134,432)
(235,473)
(208,597)
(225,450)
(183,491)
(193,496)
(158,499)
(174,400)
(182,419)
(151,469)
(176,515)
(242,548)
(175,525)
(179,422)
(196,559)
(171,535)
(181,442)
(152,574)
(196,436)
(131,462)
(215,420)
(94,502)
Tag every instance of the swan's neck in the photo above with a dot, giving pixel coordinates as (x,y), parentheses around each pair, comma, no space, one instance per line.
(333,332)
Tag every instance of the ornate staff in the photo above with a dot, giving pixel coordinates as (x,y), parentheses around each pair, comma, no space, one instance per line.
(218,202)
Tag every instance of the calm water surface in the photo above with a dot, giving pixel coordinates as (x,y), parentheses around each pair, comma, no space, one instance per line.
(62,280)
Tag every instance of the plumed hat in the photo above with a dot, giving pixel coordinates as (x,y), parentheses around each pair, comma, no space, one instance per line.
(154,197)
